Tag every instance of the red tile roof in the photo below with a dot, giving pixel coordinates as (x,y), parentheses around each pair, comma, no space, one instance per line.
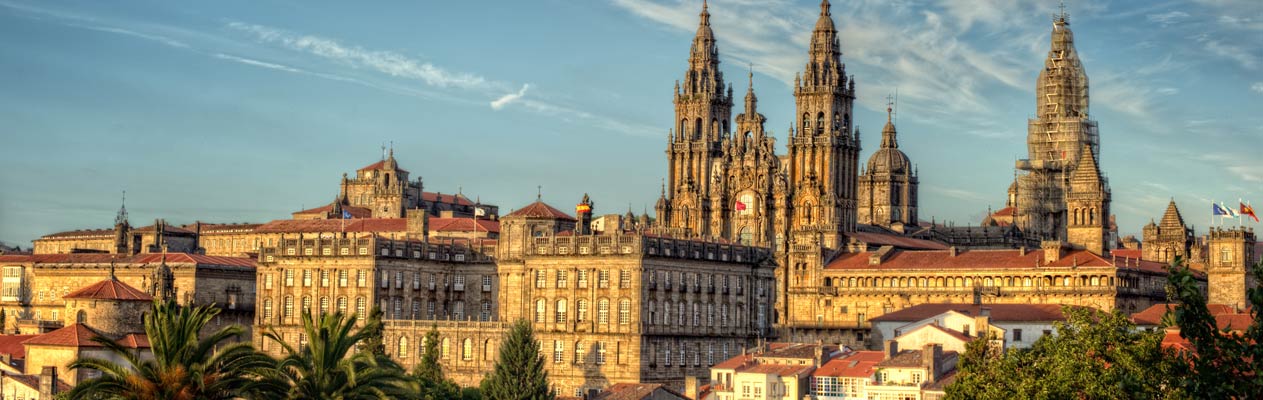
(61,258)
(356,212)
(80,233)
(734,363)
(858,364)
(910,358)
(135,341)
(634,391)
(335,225)
(109,289)
(881,239)
(379,166)
(171,258)
(1153,314)
(77,335)
(1127,253)
(950,332)
(457,199)
(999,312)
(12,345)
(984,259)
(32,381)
(540,210)
(779,369)
(464,225)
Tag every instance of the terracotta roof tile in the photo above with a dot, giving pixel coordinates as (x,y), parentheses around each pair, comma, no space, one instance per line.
(77,335)
(380,165)
(881,239)
(1005,212)
(171,258)
(540,210)
(32,381)
(1153,314)
(79,233)
(135,341)
(356,212)
(999,312)
(335,225)
(457,199)
(857,364)
(109,289)
(633,391)
(12,345)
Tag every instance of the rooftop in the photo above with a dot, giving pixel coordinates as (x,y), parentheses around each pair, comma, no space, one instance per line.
(540,210)
(109,289)
(335,225)
(858,364)
(999,312)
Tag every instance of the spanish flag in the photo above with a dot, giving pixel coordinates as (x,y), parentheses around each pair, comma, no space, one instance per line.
(1247,210)
(582,208)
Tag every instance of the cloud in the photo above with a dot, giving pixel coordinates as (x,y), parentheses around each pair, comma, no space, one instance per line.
(1257,87)
(387,62)
(961,194)
(1168,18)
(509,98)
(258,63)
(1245,57)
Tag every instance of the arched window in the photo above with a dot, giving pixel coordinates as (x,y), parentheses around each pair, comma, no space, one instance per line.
(579,352)
(561,311)
(745,236)
(624,312)
(403,347)
(603,311)
(324,305)
(683,132)
(820,122)
(988,282)
(1026,282)
(1092,215)
(445,348)
(837,122)
(805,125)
(1096,281)
(306,305)
(697,129)
(82,316)
(540,308)
(467,350)
(487,352)
(807,207)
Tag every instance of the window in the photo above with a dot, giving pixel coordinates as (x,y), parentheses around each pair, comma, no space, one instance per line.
(541,279)
(1225,255)
(561,279)
(360,303)
(385,280)
(324,305)
(416,280)
(467,349)
(398,309)
(429,309)
(324,278)
(416,307)
(540,309)
(582,310)
(267,281)
(579,352)
(361,278)
(267,311)
(445,348)
(697,315)
(680,314)
(403,347)
(306,305)
(342,278)
(559,351)
(1017,335)
(289,277)
(288,310)
(603,312)
(398,279)
(458,309)
(342,305)
(561,311)
(603,279)
(624,312)
(600,353)
(486,311)
(582,279)
(306,277)
(624,279)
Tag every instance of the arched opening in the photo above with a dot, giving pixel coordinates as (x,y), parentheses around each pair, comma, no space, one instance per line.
(697,129)
(819,122)
(745,236)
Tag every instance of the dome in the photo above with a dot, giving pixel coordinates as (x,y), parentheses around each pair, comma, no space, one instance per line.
(825,23)
(888,161)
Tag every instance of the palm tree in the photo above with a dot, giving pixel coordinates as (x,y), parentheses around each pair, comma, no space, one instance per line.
(183,365)
(322,368)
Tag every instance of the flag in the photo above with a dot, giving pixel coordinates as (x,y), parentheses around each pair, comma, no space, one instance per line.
(741,206)
(346,214)
(1247,210)
(582,208)
(479,211)
(1232,212)
(1217,209)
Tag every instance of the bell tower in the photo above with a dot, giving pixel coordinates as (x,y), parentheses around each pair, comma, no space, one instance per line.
(824,151)
(703,109)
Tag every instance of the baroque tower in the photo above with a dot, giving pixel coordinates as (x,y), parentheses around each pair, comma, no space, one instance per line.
(1088,204)
(1231,251)
(824,151)
(703,109)
(745,195)
(1055,140)
(888,188)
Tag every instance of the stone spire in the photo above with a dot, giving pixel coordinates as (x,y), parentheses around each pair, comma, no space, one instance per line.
(888,140)
(1062,89)
(1172,217)
(751,100)
(824,67)
(704,56)
(121,218)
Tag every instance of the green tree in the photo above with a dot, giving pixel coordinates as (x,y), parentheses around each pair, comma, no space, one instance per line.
(519,372)
(184,366)
(1221,365)
(427,376)
(374,333)
(1095,354)
(325,367)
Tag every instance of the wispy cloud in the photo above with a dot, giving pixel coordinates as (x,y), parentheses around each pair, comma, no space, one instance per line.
(257,63)
(387,62)
(509,98)
(1168,18)
(1241,55)
(1257,87)
(958,193)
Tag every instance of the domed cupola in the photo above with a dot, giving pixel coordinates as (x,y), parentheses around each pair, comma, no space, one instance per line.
(889,159)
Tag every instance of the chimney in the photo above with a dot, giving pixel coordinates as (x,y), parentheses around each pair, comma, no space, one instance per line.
(952,251)
(931,358)
(1021,251)
(892,348)
(48,383)
(690,386)
(418,224)
(982,322)
(1053,250)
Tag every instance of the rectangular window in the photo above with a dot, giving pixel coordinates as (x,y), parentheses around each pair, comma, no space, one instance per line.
(306,277)
(603,279)
(385,280)
(342,278)
(416,280)
(324,278)
(541,279)
(624,279)
(361,278)
(559,351)
(267,281)
(486,283)
(561,279)
(600,353)
(289,277)
(1017,335)
(398,279)
(583,279)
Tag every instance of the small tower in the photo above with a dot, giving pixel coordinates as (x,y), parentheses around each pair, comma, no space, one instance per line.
(122,229)
(888,188)
(163,281)
(583,212)
(1167,239)
(1088,205)
(1231,251)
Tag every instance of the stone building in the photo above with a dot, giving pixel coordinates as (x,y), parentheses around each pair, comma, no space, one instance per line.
(888,187)
(123,239)
(1168,240)
(1230,252)
(35,286)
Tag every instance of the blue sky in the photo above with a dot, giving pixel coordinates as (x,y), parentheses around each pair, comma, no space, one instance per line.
(247,110)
